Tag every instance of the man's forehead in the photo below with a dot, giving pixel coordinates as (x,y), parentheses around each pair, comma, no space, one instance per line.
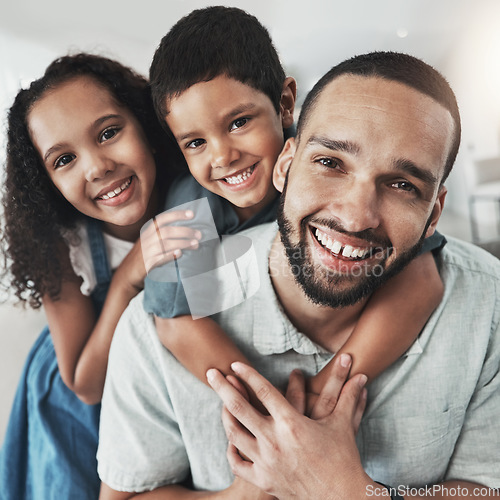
(372,93)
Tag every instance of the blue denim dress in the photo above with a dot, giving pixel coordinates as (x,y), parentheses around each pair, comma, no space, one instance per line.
(50,444)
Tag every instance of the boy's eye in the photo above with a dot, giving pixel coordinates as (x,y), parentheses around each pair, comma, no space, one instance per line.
(64,160)
(108,134)
(196,143)
(240,122)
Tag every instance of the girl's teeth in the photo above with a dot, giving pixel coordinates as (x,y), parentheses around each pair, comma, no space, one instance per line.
(117,191)
(336,247)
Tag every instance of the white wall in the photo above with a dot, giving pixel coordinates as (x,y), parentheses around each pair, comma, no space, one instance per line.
(473,69)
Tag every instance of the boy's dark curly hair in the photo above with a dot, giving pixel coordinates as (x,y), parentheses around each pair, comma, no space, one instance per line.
(35,213)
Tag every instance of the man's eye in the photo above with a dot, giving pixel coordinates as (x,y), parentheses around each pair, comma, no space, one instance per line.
(240,122)
(405,186)
(108,134)
(196,143)
(328,162)
(64,160)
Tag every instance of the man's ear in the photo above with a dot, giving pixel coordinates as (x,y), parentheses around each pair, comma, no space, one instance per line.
(287,103)
(283,164)
(437,210)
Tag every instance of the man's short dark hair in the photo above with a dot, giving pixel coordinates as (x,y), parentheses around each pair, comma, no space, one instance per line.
(397,67)
(211,42)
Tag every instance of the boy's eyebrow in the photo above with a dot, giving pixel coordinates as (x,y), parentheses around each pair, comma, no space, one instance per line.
(242,108)
(99,121)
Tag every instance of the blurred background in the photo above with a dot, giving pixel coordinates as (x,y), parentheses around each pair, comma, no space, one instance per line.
(460,38)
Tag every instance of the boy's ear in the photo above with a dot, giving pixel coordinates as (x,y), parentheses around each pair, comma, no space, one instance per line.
(287,103)
(437,210)
(283,164)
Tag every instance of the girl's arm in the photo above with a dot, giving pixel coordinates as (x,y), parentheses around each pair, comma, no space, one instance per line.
(81,339)
(391,321)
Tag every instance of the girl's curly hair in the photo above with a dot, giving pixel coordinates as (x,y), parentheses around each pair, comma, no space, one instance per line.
(35,213)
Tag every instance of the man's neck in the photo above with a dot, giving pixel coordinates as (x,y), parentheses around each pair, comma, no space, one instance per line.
(329,327)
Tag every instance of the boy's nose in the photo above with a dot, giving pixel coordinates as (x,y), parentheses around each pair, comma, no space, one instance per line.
(97,167)
(223,154)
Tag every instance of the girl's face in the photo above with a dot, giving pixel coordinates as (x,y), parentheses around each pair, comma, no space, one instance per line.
(96,154)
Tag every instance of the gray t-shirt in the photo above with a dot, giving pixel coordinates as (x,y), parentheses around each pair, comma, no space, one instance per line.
(433,415)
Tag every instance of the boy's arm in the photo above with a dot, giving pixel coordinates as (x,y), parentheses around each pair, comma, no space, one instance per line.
(391,321)
(198,344)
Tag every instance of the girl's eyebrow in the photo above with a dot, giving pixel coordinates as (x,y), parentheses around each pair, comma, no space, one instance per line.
(99,121)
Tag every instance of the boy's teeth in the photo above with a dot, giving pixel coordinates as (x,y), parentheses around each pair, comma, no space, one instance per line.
(238,179)
(117,191)
(336,247)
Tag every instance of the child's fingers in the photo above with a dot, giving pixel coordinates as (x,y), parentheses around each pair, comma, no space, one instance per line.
(296,391)
(173,216)
(329,395)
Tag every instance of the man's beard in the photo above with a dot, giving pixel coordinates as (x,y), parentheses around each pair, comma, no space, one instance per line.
(329,288)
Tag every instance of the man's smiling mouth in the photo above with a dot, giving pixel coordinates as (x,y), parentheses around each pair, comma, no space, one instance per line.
(346,251)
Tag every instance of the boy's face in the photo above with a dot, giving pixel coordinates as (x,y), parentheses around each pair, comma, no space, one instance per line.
(231,136)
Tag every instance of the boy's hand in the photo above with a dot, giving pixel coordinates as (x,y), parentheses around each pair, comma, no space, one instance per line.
(161,242)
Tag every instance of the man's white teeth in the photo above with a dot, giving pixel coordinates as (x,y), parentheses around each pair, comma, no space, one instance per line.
(238,179)
(117,191)
(336,247)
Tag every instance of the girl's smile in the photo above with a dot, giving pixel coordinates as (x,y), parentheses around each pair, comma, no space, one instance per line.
(95,153)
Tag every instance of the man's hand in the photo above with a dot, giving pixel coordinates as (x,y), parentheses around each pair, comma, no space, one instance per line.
(290,455)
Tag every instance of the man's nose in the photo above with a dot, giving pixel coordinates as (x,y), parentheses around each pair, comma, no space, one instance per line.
(360,208)
(223,153)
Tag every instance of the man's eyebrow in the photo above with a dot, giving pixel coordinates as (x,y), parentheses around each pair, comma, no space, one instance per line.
(335,145)
(414,170)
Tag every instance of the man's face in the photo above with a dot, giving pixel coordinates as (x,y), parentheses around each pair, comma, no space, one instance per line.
(361,186)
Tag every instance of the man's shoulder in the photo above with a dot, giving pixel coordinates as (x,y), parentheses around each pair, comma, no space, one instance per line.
(265,231)
(470,258)
(135,324)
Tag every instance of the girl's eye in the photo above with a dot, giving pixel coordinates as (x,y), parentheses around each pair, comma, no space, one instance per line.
(196,143)
(240,122)
(64,160)
(108,134)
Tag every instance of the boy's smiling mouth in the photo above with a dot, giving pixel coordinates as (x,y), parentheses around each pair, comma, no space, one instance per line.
(239,177)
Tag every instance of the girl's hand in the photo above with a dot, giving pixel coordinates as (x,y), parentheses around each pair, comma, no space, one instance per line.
(161,242)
